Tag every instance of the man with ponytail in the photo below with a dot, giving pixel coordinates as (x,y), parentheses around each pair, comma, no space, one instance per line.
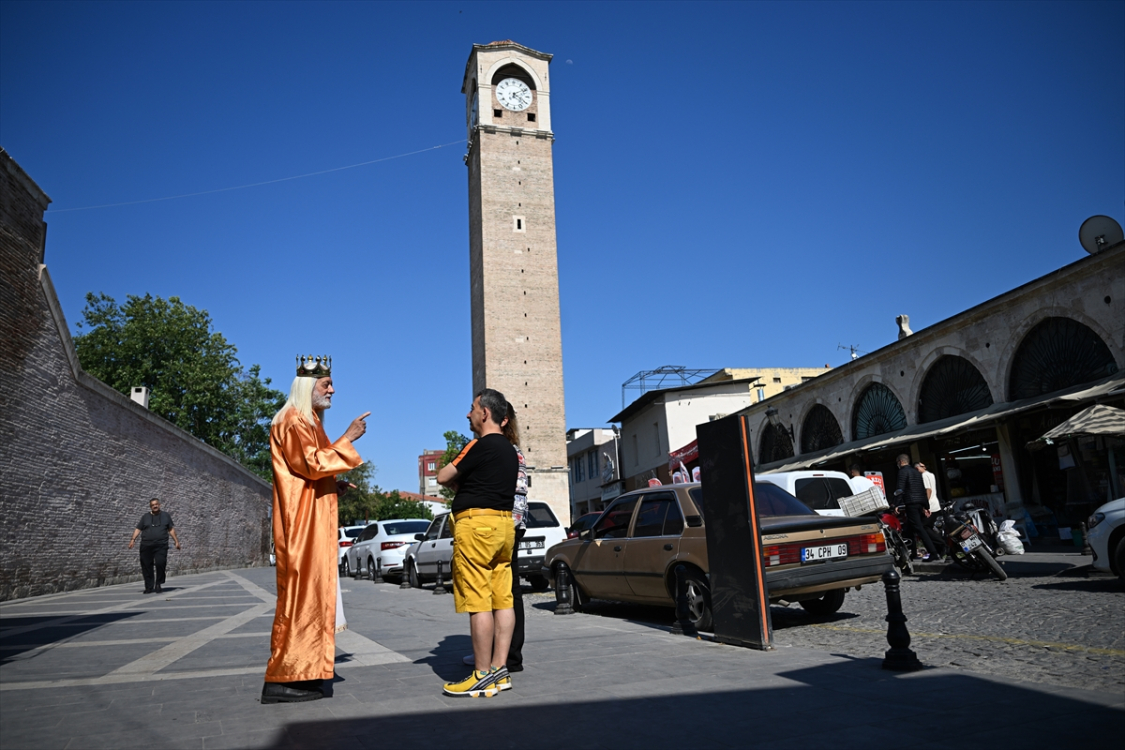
(305,465)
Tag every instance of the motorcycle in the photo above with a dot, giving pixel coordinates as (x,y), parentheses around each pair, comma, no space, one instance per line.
(985,526)
(897,545)
(965,543)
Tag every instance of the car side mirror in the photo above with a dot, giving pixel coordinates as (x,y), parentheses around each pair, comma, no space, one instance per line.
(419,537)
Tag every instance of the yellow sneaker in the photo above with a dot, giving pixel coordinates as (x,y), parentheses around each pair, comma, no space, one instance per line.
(476,685)
(502,679)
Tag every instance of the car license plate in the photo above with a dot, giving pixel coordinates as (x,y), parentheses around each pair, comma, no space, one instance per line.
(812,554)
(971,543)
(535,544)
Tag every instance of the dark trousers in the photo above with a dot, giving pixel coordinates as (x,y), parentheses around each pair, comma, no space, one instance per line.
(916,516)
(153,555)
(515,652)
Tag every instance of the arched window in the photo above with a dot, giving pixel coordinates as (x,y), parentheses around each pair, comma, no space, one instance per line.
(774,445)
(1058,353)
(877,412)
(513,71)
(820,430)
(952,386)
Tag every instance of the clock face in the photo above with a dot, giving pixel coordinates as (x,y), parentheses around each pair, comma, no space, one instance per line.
(513,94)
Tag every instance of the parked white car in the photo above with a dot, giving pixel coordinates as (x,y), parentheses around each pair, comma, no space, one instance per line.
(1106,534)
(820,490)
(436,545)
(347,538)
(383,544)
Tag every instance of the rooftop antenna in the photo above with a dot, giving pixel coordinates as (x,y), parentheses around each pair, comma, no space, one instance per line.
(855,352)
(1098,233)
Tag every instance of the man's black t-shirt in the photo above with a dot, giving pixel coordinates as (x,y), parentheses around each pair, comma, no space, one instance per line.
(487,469)
(155,528)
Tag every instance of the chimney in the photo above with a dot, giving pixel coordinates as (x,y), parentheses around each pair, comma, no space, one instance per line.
(140,395)
(903,326)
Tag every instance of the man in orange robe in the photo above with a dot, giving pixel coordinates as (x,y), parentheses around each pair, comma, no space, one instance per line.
(305,464)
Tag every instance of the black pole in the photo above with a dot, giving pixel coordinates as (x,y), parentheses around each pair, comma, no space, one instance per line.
(563,604)
(439,587)
(899,657)
(377,574)
(684,625)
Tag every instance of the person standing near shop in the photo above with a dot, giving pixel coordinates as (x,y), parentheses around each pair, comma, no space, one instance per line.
(154,528)
(859,483)
(930,483)
(912,492)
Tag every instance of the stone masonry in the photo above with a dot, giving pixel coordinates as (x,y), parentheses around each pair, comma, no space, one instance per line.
(517,339)
(82,460)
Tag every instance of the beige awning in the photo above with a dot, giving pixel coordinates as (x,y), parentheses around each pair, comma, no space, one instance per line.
(1099,419)
(1112,386)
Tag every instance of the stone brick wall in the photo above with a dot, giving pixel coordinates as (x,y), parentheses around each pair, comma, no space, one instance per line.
(81,460)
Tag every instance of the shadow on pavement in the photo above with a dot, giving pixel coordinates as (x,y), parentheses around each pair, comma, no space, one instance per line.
(844,704)
(445,658)
(1094,585)
(11,646)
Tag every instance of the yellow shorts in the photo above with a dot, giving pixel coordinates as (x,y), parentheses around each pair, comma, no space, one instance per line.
(482,560)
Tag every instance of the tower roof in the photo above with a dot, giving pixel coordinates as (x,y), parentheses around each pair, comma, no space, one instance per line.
(501,44)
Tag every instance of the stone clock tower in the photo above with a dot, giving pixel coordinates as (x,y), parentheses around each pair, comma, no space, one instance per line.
(513,264)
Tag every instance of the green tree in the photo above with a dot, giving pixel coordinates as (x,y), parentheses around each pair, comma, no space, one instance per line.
(366,502)
(195,381)
(454,442)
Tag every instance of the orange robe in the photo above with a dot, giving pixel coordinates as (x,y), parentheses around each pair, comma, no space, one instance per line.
(305,464)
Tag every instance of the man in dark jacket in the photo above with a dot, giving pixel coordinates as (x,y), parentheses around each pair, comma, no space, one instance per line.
(154,529)
(912,492)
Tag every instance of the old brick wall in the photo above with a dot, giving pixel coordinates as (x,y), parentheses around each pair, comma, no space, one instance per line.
(81,460)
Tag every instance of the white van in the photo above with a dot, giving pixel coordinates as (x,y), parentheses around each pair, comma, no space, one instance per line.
(820,490)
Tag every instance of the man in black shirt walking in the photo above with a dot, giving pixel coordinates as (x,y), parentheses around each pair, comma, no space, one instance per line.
(912,492)
(153,529)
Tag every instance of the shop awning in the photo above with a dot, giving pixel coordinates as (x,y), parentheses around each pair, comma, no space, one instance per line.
(1111,387)
(1099,419)
(685,455)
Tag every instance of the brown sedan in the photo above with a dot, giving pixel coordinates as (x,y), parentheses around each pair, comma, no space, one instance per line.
(630,553)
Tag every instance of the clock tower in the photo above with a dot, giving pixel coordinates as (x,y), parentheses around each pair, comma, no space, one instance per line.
(513,263)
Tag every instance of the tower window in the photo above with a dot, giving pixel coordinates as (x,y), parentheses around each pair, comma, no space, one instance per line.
(518,224)
(531,117)
(498,113)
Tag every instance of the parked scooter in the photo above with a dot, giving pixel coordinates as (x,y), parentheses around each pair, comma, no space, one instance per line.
(897,545)
(985,526)
(965,544)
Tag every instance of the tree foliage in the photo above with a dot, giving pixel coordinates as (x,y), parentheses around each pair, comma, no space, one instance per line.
(194,378)
(454,442)
(366,502)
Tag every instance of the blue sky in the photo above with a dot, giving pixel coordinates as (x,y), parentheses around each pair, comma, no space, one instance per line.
(737,184)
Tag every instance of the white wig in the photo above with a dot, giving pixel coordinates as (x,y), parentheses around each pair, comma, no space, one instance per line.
(300,400)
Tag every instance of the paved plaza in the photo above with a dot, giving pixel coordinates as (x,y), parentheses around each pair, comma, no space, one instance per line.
(1037,661)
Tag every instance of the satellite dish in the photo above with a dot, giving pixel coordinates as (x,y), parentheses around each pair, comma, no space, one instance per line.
(1099,232)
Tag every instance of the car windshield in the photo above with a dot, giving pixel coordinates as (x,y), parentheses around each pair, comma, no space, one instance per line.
(353,533)
(822,493)
(405,527)
(770,499)
(539,516)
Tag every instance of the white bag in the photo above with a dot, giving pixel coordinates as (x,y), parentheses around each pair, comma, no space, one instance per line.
(1010,541)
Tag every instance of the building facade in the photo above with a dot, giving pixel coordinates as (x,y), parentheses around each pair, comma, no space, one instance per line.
(513,263)
(966,396)
(770,380)
(428,465)
(592,456)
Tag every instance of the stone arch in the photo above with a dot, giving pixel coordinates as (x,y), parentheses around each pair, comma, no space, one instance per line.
(502,63)
(1056,353)
(877,411)
(820,430)
(773,444)
(952,386)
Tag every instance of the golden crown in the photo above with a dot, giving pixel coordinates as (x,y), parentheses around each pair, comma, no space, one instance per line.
(314,367)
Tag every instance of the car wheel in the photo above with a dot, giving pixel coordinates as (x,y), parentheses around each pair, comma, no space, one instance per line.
(371,568)
(539,583)
(699,601)
(828,604)
(1119,558)
(345,569)
(412,574)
